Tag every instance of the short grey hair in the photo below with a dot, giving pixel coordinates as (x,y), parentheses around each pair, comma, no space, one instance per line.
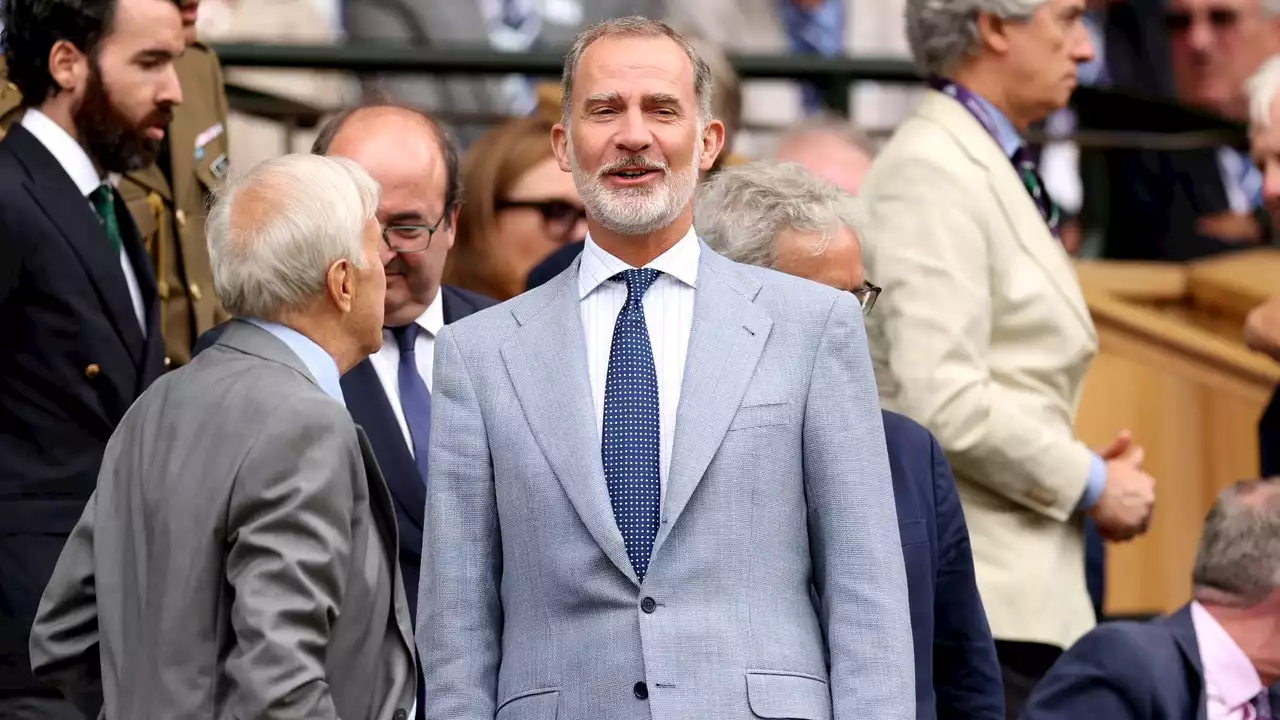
(1238,562)
(1261,88)
(942,32)
(635,27)
(741,210)
(274,233)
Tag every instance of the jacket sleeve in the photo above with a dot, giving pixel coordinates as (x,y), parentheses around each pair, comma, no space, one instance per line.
(859,576)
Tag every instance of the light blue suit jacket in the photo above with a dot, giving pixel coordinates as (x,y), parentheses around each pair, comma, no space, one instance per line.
(528,605)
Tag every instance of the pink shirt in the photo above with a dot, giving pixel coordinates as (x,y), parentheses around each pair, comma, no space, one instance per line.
(1230,680)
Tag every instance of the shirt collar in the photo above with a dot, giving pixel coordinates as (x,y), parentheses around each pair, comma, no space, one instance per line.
(432,319)
(64,148)
(1006,135)
(680,261)
(317,360)
(1228,672)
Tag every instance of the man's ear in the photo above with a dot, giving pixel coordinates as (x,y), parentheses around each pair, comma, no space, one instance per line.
(68,67)
(993,32)
(560,146)
(712,144)
(340,283)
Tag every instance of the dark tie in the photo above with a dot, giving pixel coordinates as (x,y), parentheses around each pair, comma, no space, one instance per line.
(104,203)
(1026,167)
(1262,707)
(415,398)
(631,438)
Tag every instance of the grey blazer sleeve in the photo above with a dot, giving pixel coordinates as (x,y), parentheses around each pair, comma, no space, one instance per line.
(853,529)
(459,611)
(289,526)
(64,637)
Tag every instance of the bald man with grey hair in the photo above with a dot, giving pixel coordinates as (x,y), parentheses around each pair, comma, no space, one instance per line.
(237,557)
(782,217)
(1216,658)
(988,338)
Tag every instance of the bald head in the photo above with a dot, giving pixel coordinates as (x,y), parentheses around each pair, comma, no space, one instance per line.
(416,164)
(834,152)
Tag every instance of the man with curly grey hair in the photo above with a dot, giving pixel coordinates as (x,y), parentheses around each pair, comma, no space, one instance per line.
(987,340)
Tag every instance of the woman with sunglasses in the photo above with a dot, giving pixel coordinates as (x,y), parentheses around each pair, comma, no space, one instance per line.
(518,207)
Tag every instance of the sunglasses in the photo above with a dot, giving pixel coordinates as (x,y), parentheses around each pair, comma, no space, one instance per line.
(559,216)
(1220,19)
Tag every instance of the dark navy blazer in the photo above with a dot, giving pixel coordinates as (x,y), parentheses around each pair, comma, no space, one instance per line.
(957,672)
(372,411)
(1128,671)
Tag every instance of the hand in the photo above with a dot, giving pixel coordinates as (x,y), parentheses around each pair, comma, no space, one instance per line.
(1262,328)
(1119,446)
(1230,227)
(1124,508)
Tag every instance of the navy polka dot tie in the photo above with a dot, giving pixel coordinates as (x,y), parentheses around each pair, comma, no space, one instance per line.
(630,446)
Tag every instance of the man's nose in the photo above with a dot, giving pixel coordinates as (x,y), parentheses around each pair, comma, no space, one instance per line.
(170,91)
(634,135)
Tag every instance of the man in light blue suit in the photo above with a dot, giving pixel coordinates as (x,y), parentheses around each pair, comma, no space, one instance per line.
(652,458)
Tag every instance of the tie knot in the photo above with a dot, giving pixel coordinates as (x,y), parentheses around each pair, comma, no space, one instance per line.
(638,282)
(406,337)
(1262,706)
(101,197)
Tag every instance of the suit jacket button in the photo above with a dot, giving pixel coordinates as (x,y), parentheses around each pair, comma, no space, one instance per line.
(92,370)
(181,217)
(641,691)
(194,290)
(400,714)
(648,605)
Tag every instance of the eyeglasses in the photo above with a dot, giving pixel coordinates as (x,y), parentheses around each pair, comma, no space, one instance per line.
(410,238)
(1220,19)
(559,216)
(866,294)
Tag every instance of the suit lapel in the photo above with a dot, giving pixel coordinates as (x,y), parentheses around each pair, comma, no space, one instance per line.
(1183,628)
(69,211)
(1016,203)
(728,335)
(547,362)
(371,409)
(385,519)
(151,179)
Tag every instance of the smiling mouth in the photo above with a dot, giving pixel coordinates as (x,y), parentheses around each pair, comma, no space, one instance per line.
(633,173)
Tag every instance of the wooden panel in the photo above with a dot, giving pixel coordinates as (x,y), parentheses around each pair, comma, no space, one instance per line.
(1181,380)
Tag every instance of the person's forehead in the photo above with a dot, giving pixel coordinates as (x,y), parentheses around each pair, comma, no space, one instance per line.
(616,61)
(1194,5)
(145,20)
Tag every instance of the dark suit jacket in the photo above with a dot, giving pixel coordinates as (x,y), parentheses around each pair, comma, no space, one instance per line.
(1128,671)
(371,410)
(956,667)
(72,361)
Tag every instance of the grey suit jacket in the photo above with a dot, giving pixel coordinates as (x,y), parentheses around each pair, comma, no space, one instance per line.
(237,559)
(779,480)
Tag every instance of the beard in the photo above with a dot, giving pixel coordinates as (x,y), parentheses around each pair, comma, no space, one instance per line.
(117,144)
(641,210)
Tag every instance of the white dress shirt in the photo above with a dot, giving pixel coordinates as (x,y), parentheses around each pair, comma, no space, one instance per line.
(668,316)
(75,161)
(386,362)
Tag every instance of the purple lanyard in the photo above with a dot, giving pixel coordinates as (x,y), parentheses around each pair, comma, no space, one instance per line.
(970,102)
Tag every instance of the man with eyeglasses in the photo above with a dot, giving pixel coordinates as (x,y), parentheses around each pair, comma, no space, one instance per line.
(781,216)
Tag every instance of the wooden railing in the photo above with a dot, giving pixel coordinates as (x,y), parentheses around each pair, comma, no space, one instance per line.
(1172,367)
